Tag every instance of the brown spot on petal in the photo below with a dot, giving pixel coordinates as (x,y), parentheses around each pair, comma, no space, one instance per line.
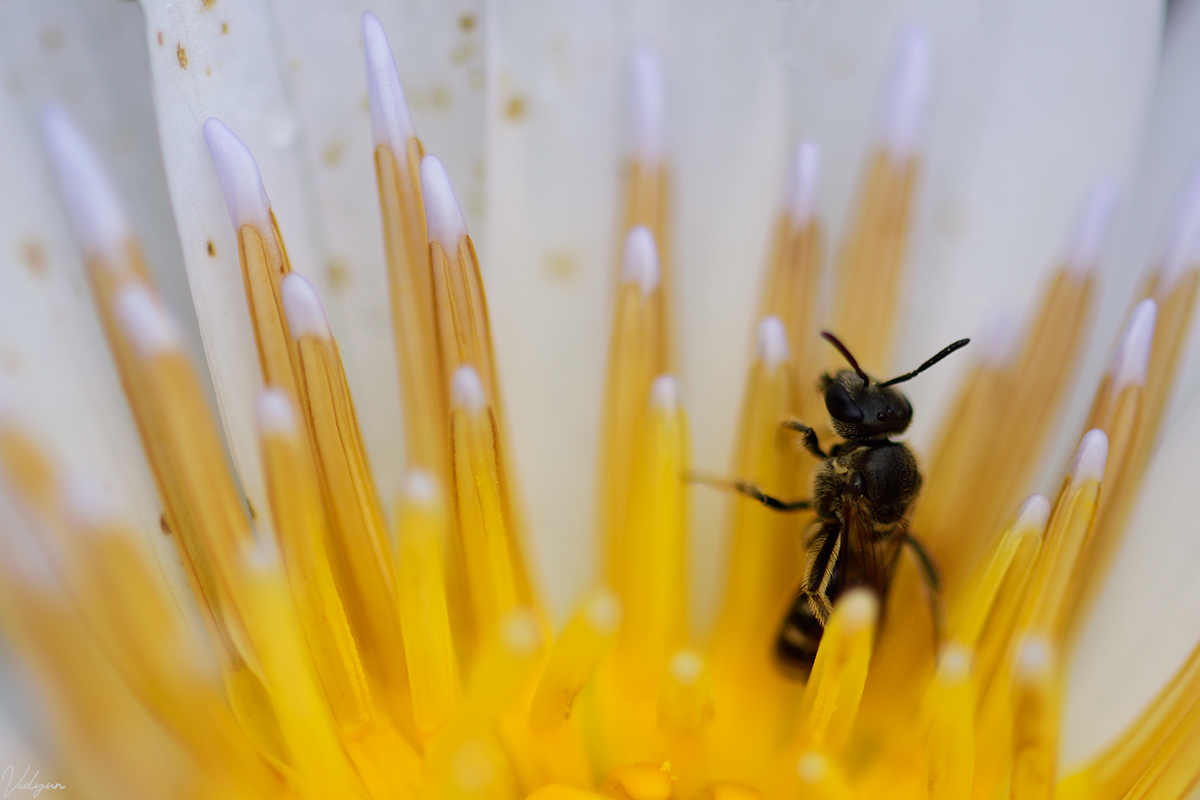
(181,54)
(516,108)
(34,256)
(163,525)
(561,266)
(338,275)
(212,250)
(209,3)
(224,27)
(466,22)
(160,38)
(332,154)
(51,38)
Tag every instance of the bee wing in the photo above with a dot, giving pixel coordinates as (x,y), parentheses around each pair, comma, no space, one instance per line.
(869,561)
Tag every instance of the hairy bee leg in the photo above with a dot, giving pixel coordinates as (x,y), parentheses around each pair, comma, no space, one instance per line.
(825,547)
(773,503)
(932,582)
(808,437)
(803,626)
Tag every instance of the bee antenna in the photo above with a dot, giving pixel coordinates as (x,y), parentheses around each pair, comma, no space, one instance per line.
(841,348)
(961,343)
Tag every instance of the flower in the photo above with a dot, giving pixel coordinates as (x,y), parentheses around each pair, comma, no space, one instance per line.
(347,671)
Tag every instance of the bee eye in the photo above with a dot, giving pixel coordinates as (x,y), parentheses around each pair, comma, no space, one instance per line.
(841,406)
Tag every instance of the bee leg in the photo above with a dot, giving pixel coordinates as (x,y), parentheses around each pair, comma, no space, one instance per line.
(932,582)
(751,491)
(824,549)
(808,437)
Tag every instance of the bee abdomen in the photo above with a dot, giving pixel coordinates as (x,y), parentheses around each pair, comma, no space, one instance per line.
(799,637)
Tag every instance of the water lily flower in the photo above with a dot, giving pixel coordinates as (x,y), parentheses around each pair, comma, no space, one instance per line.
(406,536)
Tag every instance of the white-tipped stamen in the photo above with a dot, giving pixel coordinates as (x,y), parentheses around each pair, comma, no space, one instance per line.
(95,209)
(647,108)
(466,390)
(88,504)
(772,349)
(1034,512)
(241,183)
(907,95)
(302,307)
(604,611)
(419,487)
(665,394)
(1035,655)
(641,259)
(1129,364)
(390,121)
(954,663)
(1083,251)
(686,667)
(1183,243)
(145,322)
(858,608)
(1091,456)
(812,768)
(443,217)
(802,192)
(274,413)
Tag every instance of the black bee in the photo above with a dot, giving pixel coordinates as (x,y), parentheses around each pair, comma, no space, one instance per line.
(863,494)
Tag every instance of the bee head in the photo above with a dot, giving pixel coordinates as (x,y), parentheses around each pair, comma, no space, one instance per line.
(861,408)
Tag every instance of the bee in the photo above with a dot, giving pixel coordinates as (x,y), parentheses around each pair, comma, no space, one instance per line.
(863,496)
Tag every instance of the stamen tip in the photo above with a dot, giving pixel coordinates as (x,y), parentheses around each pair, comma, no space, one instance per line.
(647,108)
(419,487)
(466,390)
(812,768)
(145,322)
(391,123)
(641,259)
(1000,341)
(1083,254)
(1034,657)
(1183,242)
(1091,456)
(686,666)
(954,664)
(908,93)
(241,182)
(1132,358)
(93,206)
(1034,513)
(802,194)
(665,394)
(772,347)
(604,611)
(302,307)
(274,413)
(520,633)
(858,609)
(443,217)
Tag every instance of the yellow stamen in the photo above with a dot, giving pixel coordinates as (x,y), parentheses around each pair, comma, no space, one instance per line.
(1036,710)
(639,782)
(820,779)
(264,264)
(870,264)
(428,645)
(645,203)
(308,727)
(655,599)
(576,654)
(636,356)
(950,752)
(410,286)
(685,699)
(835,687)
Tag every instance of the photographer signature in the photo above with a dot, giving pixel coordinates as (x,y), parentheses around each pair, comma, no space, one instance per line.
(10,786)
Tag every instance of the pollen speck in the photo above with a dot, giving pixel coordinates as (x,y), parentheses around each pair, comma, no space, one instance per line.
(224,27)
(253,513)
(163,525)
(338,274)
(332,154)
(34,256)
(516,108)
(209,3)
(160,39)
(212,250)
(181,54)
(561,266)
(466,22)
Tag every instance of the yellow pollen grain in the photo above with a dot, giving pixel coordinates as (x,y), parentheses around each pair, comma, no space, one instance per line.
(428,645)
